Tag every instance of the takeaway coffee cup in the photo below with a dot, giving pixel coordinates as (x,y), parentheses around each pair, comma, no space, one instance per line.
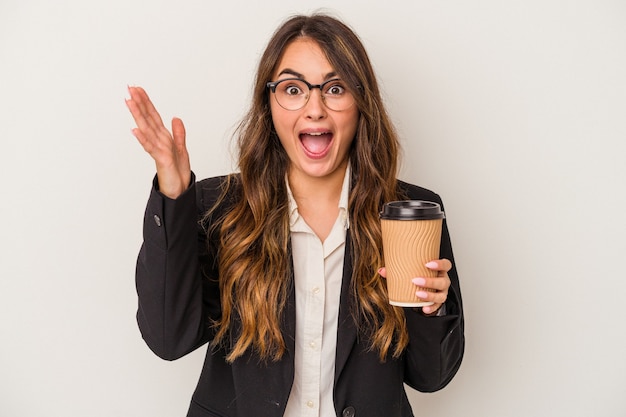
(411,232)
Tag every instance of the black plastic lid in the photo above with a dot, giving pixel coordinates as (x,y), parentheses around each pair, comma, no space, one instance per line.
(412,210)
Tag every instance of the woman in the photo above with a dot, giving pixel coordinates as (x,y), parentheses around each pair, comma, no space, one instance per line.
(279,267)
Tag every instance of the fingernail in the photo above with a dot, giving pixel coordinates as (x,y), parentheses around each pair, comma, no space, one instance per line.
(421,294)
(431,265)
(418,281)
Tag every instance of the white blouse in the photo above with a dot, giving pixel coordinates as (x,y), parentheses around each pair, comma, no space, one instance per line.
(318,271)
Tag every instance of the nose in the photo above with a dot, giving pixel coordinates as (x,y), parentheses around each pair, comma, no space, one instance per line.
(315,108)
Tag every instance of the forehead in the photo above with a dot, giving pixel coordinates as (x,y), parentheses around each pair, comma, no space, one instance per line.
(304,56)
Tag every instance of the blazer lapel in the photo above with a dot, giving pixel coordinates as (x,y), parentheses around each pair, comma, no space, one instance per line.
(289,315)
(346,329)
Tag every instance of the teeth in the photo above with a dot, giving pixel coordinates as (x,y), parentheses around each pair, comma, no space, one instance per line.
(316,134)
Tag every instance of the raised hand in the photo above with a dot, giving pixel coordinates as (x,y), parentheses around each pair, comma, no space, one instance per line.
(168,150)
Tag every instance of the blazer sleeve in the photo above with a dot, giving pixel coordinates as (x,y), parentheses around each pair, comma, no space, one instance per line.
(436,344)
(175,278)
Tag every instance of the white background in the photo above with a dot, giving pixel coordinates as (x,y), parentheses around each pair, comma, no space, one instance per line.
(514,111)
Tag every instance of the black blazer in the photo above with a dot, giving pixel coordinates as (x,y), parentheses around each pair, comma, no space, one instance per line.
(177,288)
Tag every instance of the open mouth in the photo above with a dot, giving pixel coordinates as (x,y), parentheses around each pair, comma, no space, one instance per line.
(316,144)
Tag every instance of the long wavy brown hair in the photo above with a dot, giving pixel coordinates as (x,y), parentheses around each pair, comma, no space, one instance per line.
(254,253)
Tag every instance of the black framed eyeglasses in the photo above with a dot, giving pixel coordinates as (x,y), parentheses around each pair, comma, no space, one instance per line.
(294,93)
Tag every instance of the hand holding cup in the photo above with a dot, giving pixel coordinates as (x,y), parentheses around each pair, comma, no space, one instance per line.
(434,289)
(411,232)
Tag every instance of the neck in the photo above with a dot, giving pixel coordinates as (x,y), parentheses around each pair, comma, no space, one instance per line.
(318,190)
(318,199)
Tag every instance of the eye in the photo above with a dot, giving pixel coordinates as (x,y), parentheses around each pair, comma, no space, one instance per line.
(291,88)
(335,90)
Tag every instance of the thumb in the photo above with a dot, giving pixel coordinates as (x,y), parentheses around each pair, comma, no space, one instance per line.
(178,132)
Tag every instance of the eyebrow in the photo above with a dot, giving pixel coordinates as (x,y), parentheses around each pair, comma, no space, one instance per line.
(298,75)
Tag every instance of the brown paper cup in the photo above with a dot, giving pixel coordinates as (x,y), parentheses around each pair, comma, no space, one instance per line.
(411,232)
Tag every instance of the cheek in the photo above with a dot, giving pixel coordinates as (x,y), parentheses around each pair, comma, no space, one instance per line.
(351,125)
(282,129)
(281,120)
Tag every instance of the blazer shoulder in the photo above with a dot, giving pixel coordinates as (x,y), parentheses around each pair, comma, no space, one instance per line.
(223,189)
(415,192)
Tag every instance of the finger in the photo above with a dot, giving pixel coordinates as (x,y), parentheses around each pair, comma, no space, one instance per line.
(431,308)
(438,297)
(137,101)
(138,134)
(153,116)
(139,115)
(182,156)
(439,265)
(145,115)
(146,106)
(179,134)
(435,283)
(143,132)
(134,108)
